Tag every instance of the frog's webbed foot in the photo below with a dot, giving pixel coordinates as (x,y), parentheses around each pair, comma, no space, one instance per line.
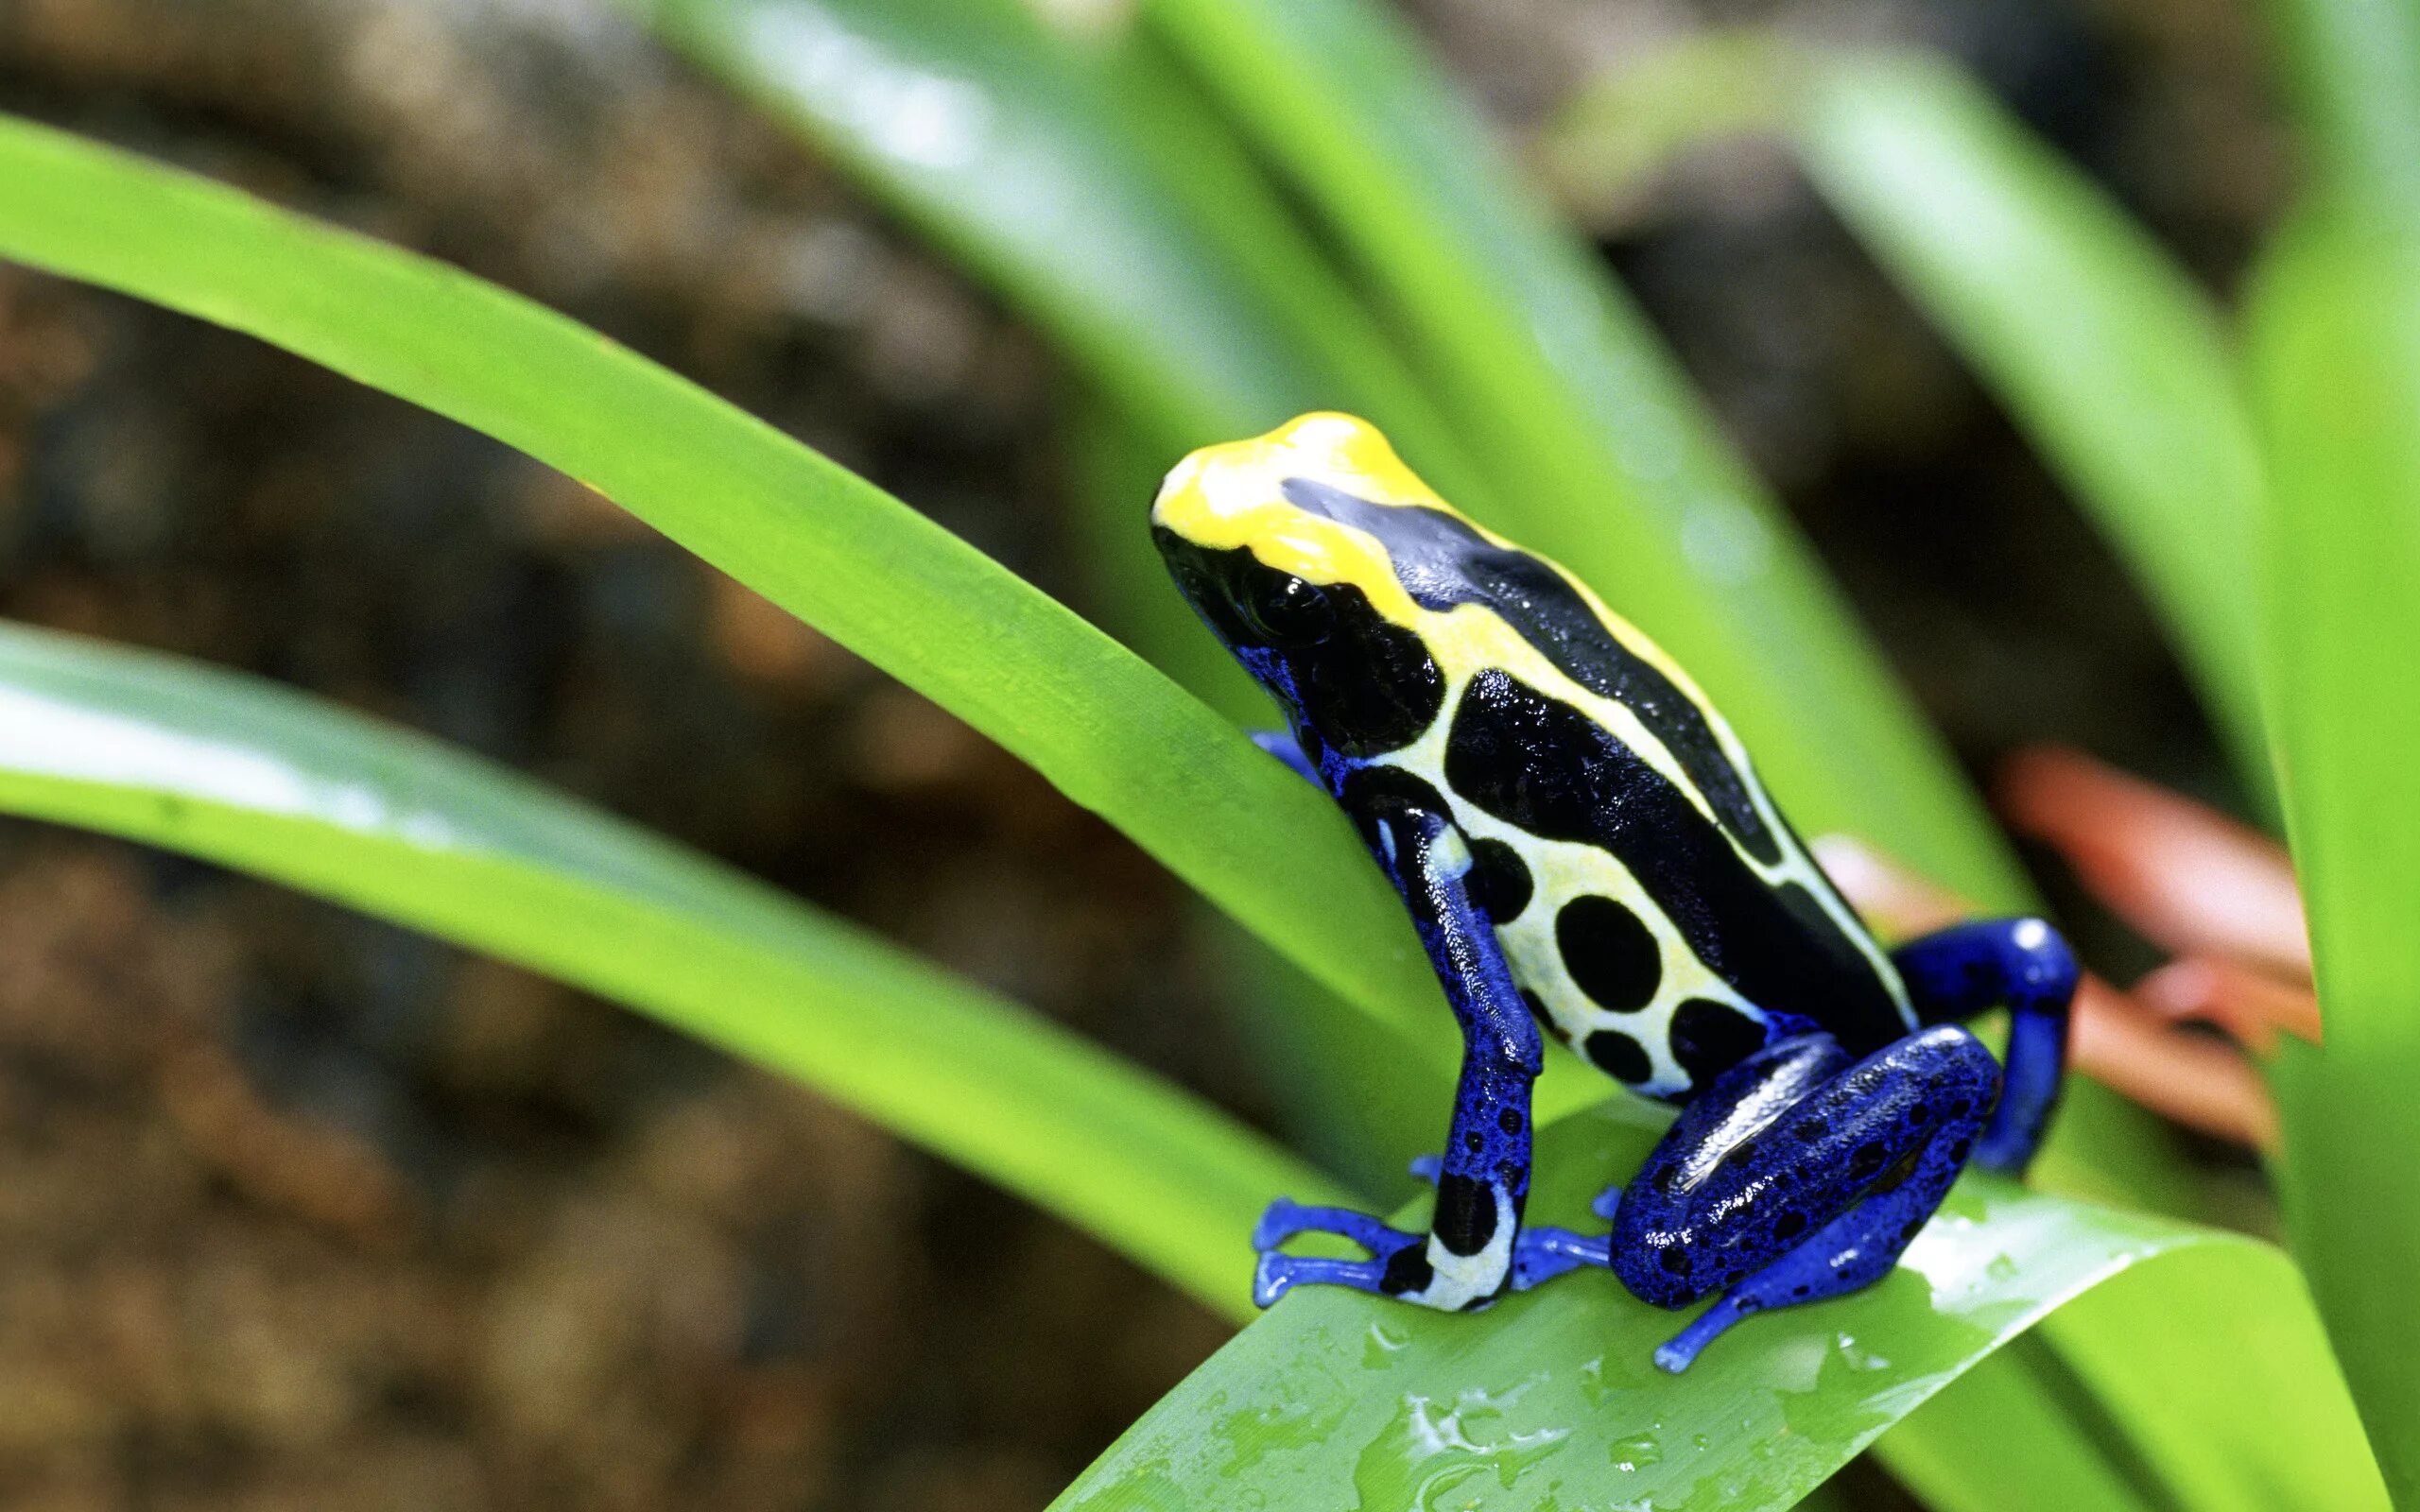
(1278,1274)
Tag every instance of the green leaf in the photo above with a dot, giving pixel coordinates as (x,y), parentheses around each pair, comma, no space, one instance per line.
(2352,69)
(1341,1399)
(1138,237)
(823,544)
(1623,129)
(2336,347)
(2101,347)
(381,819)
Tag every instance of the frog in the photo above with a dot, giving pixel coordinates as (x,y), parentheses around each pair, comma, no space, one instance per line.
(1587,852)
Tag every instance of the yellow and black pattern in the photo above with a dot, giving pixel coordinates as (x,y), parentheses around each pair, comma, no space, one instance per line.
(1656,910)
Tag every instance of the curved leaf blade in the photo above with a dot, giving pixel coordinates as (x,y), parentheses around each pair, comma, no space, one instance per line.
(2352,68)
(259,779)
(1136,235)
(823,544)
(1549,1400)
(2101,347)
(2336,350)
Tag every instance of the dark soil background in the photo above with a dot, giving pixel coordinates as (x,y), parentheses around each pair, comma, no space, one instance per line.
(301,1211)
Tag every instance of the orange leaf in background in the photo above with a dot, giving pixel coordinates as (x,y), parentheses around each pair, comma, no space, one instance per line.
(2220,896)
(2189,878)
(2117,1041)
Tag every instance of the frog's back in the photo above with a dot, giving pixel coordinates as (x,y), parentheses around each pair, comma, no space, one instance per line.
(1657,910)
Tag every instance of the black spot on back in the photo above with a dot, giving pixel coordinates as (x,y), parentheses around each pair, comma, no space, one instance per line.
(1710,1037)
(1364,686)
(1441,561)
(1499,879)
(1619,1056)
(1542,764)
(1609,951)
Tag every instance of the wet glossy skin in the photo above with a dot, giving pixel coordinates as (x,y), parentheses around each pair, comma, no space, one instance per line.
(1583,844)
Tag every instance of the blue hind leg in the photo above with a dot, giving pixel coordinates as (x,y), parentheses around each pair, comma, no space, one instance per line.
(1798,1177)
(2023,966)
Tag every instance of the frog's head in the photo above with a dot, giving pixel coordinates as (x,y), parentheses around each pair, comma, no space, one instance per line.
(1281,546)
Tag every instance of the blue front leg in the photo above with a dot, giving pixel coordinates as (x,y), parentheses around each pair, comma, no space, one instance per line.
(2023,966)
(1475,1248)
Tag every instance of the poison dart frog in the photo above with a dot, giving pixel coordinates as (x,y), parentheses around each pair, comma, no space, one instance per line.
(1585,849)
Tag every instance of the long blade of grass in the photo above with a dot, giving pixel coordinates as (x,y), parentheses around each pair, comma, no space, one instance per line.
(2336,347)
(1340,1400)
(251,776)
(2102,348)
(1146,247)
(1112,734)
(2352,68)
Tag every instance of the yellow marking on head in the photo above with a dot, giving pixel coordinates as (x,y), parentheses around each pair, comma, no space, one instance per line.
(1222,497)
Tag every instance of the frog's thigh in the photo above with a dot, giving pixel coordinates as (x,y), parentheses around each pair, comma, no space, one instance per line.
(1796,1177)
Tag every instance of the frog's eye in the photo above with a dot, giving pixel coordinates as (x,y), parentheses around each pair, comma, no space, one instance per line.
(1290,612)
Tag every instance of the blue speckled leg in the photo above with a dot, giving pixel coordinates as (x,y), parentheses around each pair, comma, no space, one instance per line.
(2023,966)
(1468,1258)
(1282,745)
(1285,1218)
(1539,1253)
(1798,1177)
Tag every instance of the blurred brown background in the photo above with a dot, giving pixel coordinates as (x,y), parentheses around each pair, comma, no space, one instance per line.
(301,1211)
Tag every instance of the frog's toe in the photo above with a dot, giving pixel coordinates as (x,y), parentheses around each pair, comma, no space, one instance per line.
(1680,1351)
(1281,1221)
(1608,1203)
(1427,1168)
(1541,1254)
(1278,1274)
(1285,1218)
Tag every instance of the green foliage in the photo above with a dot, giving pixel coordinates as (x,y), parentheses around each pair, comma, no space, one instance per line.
(1226,210)
(704,473)
(2100,345)
(390,822)
(2336,349)
(2352,70)
(1108,731)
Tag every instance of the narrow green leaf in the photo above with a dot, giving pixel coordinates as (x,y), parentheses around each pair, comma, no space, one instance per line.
(2003,1435)
(833,549)
(2256,1419)
(252,777)
(1600,454)
(1623,129)
(2100,345)
(1340,1400)
(2353,72)
(2336,354)
(1139,238)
